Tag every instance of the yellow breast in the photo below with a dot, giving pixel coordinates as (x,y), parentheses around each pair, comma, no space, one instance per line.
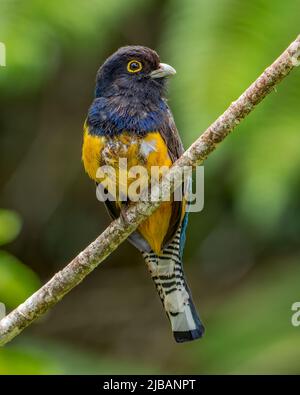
(91,152)
(147,151)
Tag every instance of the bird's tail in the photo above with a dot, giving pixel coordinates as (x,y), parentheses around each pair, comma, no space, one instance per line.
(167,273)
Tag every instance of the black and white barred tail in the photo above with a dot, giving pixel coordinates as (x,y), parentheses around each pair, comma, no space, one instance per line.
(167,273)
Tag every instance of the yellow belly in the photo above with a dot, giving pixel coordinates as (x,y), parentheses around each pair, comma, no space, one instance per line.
(148,151)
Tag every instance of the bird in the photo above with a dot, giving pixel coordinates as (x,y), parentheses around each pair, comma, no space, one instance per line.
(130,119)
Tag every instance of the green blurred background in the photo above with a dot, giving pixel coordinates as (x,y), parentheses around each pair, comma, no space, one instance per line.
(243,251)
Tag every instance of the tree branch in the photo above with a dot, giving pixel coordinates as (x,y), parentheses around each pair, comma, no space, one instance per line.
(120,229)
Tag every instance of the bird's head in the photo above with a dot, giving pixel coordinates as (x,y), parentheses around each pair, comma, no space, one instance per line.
(133,71)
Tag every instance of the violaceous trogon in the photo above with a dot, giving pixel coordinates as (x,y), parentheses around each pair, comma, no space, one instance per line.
(130,118)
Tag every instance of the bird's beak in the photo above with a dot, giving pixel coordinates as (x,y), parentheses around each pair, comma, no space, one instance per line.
(164,70)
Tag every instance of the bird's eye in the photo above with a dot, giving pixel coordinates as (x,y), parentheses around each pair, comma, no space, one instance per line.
(134,66)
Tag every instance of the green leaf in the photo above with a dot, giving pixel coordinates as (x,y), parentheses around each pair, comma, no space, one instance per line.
(17,281)
(10,226)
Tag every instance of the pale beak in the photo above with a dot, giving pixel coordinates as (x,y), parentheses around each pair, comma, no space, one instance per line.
(164,70)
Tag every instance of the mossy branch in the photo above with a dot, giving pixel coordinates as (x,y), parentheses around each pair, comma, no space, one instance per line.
(120,229)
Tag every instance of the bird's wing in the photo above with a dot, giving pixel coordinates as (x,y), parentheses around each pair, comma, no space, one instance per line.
(175,148)
(171,136)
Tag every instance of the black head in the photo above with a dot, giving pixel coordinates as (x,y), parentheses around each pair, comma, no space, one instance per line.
(133,71)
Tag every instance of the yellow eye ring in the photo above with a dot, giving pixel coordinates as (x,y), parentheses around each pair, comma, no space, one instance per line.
(134,66)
